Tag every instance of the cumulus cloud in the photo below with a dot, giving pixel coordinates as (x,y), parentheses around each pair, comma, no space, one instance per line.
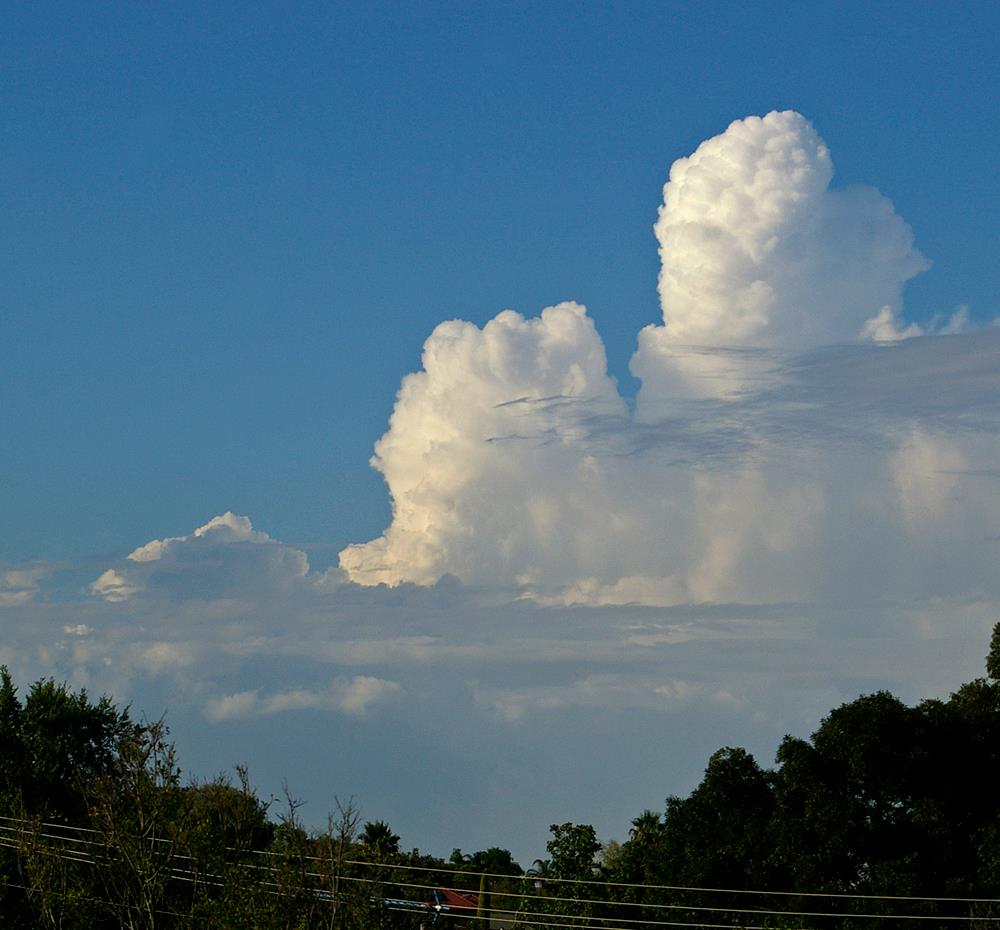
(488,435)
(753,452)
(788,414)
(886,325)
(78,629)
(226,557)
(758,252)
(20,586)
(231,706)
(114,586)
(225,528)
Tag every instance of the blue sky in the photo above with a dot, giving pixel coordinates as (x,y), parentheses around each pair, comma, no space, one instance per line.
(227,235)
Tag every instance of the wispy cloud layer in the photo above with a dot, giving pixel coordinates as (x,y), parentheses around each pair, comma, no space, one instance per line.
(346,696)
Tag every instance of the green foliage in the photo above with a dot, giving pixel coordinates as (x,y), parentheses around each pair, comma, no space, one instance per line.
(494,861)
(570,872)
(883,799)
(54,746)
(854,786)
(378,841)
(572,850)
(135,810)
(993,656)
(12,750)
(720,835)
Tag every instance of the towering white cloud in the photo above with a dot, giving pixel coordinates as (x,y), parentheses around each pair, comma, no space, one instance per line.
(484,455)
(758,253)
(753,468)
(511,458)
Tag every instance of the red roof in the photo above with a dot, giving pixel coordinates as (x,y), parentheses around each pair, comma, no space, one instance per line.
(458,900)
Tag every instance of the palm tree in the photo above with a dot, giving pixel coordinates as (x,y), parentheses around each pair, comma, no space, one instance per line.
(540,870)
(379,841)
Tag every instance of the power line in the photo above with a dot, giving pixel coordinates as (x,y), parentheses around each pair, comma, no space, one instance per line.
(686,888)
(758,912)
(522,896)
(192,876)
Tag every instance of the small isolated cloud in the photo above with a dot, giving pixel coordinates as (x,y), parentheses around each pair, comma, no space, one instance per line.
(351,696)
(224,558)
(160,657)
(19,586)
(231,706)
(114,586)
(359,693)
(78,629)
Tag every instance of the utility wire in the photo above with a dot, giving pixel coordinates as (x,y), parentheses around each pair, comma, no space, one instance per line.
(189,875)
(692,888)
(757,912)
(562,899)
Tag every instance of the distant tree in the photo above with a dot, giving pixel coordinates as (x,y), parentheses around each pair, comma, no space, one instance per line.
(66,742)
(640,860)
(52,749)
(221,829)
(854,785)
(719,835)
(348,902)
(12,752)
(636,862)
(540,869)
(609,856)
(135,811)
(573,848)
(57,882)
(378,841)
(494,861)
(496,871)
(993,656)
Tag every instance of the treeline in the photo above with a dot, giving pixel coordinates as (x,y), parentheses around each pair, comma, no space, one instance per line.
(98,831)
(887,816)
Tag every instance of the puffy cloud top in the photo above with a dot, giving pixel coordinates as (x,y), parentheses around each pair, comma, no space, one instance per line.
(758,251)
(226,557)
(463,442)
(512,459)
(225,528)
